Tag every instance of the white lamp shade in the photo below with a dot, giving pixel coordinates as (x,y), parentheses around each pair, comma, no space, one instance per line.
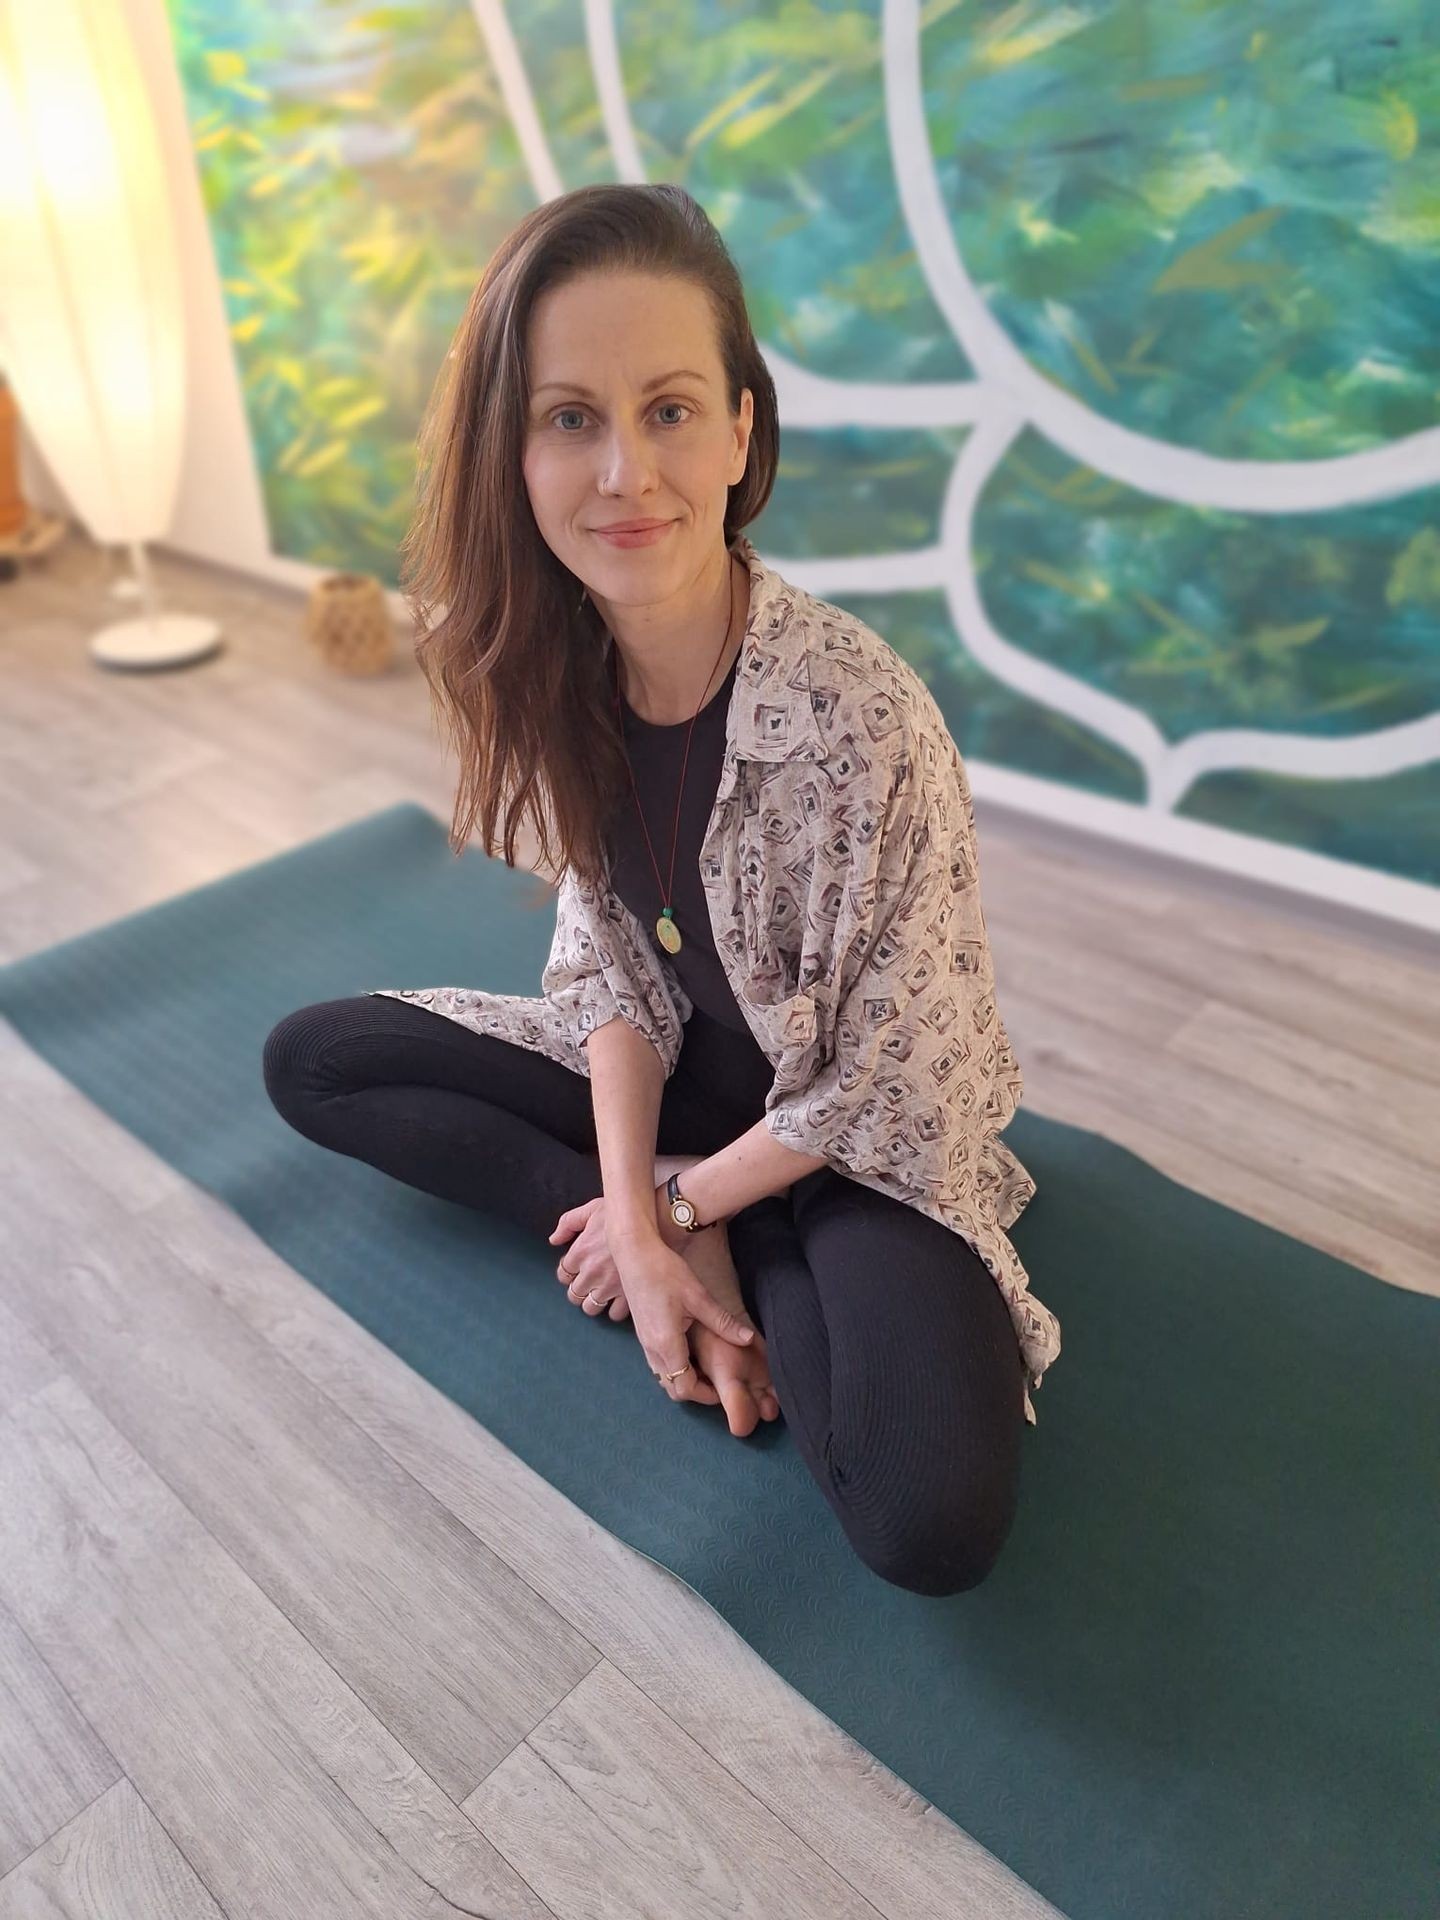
(92,334)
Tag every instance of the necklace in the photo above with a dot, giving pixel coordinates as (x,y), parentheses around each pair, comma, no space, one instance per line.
(666,931)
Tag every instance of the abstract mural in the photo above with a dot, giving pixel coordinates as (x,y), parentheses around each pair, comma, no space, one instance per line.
(1107,339)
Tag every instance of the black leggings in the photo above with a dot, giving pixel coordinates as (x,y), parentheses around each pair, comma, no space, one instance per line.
(891,1348)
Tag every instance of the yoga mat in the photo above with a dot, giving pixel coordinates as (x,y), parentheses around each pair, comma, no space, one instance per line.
(1201,1681)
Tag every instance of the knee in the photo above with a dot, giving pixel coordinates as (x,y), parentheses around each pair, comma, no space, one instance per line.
(957,1570)
(935,1566)
(292,1061)
(937,1551)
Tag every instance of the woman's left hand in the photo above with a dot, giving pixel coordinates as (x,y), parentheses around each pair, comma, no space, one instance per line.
(586,1268)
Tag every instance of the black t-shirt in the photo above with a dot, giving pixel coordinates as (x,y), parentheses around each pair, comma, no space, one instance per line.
(656,754)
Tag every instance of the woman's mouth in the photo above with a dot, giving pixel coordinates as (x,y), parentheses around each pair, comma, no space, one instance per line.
(633,536)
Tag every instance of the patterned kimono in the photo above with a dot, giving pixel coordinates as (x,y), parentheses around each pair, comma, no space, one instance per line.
(839,864)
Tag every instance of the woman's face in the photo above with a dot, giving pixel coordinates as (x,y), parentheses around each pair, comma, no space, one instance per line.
(628,421)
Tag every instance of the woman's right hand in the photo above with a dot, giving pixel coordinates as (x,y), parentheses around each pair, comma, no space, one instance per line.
(667,1298)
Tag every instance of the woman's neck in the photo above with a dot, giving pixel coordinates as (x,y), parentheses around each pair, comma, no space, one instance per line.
(665,682)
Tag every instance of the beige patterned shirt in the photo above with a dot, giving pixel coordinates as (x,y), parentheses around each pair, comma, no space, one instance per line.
(840,867)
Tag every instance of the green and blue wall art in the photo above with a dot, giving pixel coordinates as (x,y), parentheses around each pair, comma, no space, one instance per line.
(1106,336)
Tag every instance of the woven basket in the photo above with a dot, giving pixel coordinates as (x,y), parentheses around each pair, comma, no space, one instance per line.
(348,621)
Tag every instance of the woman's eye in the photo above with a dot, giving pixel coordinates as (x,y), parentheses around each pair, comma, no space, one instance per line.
(561,414)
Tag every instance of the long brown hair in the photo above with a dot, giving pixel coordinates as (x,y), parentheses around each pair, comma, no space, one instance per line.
(515,664)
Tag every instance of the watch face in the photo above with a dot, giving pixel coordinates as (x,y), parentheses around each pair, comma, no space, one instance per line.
(684,1212)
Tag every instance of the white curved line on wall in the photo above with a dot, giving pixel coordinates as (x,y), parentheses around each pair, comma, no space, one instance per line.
(1156,467)
(1153,467)
(604,48)
(814,400)
(1008,395)
(946,565)
(1169,768)
(519,100)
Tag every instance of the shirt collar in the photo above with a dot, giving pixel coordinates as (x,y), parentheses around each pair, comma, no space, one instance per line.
(771,709)
(772,716)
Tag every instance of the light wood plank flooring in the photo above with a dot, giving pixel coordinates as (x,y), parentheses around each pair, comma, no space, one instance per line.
(283,1631)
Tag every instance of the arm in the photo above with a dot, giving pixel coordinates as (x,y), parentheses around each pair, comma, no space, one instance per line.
(626,1079)
(752,1165)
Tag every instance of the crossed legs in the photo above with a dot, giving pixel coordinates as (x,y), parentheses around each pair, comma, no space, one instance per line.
(890,1345)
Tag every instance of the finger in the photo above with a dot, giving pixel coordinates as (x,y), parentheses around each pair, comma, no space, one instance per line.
(590,1295)
(670,1354)
(739,1329)
(681,1382)
(692,1385)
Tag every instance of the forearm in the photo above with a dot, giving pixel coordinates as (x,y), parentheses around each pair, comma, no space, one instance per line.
(753,1165)
(626,1082)
(627,1079)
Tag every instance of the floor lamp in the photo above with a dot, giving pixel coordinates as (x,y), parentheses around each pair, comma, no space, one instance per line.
(92,325)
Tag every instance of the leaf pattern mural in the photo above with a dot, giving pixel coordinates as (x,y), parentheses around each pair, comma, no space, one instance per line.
(1105,338)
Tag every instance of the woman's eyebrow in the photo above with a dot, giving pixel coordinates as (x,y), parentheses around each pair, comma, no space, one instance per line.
(573,386)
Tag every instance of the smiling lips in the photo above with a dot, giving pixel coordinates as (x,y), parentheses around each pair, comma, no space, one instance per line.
(634,533)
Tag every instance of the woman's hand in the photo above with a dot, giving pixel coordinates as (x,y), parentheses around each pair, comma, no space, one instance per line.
(668,1302)
(587,1267)
(737,1377)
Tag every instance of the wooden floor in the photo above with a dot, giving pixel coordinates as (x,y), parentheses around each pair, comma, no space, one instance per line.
(283,1631)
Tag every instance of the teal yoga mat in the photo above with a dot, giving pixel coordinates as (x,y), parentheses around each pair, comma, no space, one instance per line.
(1201,1681)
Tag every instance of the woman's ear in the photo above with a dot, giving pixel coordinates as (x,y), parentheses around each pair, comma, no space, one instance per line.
(743,426)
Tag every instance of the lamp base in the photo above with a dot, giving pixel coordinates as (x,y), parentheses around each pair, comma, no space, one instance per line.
(169,640)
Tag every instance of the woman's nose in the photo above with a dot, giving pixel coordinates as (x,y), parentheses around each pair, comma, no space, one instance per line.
(628,460)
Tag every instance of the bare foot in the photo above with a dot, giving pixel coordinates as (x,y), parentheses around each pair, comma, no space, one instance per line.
(708,1254)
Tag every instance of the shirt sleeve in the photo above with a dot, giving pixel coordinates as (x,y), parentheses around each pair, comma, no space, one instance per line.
(911,1045)
(597,971)
(573,980)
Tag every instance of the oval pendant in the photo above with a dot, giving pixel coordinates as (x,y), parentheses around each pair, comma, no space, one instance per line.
(667,933)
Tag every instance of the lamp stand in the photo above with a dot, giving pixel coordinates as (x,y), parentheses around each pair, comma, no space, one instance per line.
(156,639)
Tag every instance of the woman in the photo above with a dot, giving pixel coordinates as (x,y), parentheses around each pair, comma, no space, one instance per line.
(769,960)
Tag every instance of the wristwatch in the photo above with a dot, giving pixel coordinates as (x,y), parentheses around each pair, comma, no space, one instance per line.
(682,1211)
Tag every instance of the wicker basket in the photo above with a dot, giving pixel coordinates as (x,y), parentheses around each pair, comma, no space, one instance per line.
(348,621)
